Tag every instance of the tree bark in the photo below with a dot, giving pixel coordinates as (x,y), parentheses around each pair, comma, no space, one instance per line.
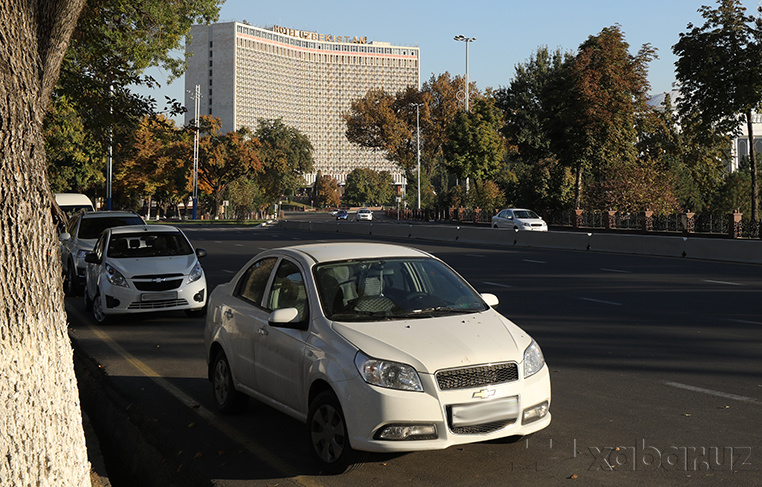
(41,437)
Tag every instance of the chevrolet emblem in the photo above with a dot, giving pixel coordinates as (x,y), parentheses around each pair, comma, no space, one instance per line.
(483,394)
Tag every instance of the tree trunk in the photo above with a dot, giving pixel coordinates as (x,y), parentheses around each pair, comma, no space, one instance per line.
(578,188)
(41,437)
(754,174)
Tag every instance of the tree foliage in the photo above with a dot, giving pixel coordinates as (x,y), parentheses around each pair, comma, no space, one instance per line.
(327,192)
(285,154)
(719,68)
(368,187)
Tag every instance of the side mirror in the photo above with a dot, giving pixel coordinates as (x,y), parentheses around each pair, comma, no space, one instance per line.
(91,258)
(64,236)
(287,318)
(200,253)
(490,299)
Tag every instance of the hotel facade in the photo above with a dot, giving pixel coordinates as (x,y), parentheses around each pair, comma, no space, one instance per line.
(307,79)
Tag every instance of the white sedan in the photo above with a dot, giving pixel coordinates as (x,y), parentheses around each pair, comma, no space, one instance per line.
(144,268)
(519,219)
(364,214)
(376,347)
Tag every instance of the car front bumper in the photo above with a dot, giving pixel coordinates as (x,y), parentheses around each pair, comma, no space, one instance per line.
(374,410)
(118,299)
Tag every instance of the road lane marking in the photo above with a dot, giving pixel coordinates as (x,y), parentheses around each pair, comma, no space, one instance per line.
(745,322)
(213,420)
(711,392)
(727,283)
(534,261)
(600,301)
(615,270)
(228,271)
(495,284)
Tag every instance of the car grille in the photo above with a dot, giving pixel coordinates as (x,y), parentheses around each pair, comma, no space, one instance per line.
(167,303)
(481,428)
(478,376)
(158,282)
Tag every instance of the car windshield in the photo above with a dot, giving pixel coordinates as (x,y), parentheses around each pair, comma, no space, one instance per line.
(525,214)
(392,289)
(160,244)
(92,227)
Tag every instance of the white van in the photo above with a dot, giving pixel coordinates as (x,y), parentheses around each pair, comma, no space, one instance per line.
(71,203)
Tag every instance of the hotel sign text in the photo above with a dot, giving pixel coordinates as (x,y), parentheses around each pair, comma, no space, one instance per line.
(314,36)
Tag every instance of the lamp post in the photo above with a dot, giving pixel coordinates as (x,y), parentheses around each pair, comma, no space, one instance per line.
(418,146)
(196,107)
(466,40)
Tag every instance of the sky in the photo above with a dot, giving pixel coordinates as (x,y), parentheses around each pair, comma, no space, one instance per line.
(507,32)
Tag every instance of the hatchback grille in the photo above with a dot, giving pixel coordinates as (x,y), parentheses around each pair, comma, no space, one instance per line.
(481,428)
(478,376)
(168,303)
(153,285)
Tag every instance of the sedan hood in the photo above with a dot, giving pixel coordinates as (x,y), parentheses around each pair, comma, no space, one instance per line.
(145,266)
(431,344)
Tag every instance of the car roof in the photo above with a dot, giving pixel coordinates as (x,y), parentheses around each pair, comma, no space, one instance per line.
(105,214)
(143,228)
(333,251)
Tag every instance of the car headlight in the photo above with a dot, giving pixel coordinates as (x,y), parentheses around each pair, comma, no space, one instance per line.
(526,224)
(533,360)
(195,273)
(384,373)
(115,277)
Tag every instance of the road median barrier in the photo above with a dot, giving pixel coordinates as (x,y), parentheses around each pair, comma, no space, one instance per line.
(746,251)
(327,226)
(637,244)
(440,233)
(355,228)
(553,240)
(488,236)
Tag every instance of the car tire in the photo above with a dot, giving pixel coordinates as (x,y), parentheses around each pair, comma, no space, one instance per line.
(227,398)
(70,282)
(196,313)
(88,302)
(99,314)
(328,437)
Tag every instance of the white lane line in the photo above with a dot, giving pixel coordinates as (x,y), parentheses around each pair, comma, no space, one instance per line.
(495,284)
(239,245)
(727,283)
(615,270)
(534,261)
(745,322)
(600,301)
(711,392)
(228,271)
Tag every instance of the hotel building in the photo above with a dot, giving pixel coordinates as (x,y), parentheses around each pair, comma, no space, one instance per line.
(307,79)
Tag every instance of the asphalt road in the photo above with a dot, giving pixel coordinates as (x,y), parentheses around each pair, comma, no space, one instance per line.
(656,370)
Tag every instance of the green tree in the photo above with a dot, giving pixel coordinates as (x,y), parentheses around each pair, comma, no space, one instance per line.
(285,154)
(719,68)
(245,197)
(327,190)
(42,440)
(475,148)
(366,187)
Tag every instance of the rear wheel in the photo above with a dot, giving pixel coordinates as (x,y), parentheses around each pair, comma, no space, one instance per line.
(70,283)
(327,434)
(88,302)
(227,398)
(98,312)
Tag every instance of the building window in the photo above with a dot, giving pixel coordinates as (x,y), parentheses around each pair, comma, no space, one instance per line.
(210,63)
(211,44)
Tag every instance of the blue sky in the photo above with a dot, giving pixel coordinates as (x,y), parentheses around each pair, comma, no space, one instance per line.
(507,32)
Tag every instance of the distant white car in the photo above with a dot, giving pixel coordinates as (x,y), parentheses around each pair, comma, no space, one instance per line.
(519,219)
(143,268)
(376,347)
(364,214)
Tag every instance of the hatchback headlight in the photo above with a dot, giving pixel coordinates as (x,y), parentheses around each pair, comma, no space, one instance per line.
(115,277)
(533,360)
(384,373)
(195,273)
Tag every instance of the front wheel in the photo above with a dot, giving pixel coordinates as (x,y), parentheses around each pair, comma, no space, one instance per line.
(327,434)
(70,282)
(98,312)
(227,398)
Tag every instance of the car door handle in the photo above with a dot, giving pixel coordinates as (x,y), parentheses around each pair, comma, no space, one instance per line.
(263,332)
(228,314)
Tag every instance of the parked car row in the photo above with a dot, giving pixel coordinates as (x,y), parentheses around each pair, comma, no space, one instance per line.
(375,347)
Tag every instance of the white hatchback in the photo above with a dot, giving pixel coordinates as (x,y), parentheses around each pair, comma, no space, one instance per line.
(375,347)
(364,214)
(143,268)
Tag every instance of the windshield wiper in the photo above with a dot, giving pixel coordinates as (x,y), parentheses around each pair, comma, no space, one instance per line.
(443,309)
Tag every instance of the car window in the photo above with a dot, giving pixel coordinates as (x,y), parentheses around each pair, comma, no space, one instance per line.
(252,285)
(92,227)
(526,214)
(288,290)
(99,246)
(156,244)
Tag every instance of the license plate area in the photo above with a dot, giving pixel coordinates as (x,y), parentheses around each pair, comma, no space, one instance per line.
(503,409)
(158,296)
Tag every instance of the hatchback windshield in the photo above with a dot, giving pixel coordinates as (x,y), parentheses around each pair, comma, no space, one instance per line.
(92,227)
(148,245)
(399,288)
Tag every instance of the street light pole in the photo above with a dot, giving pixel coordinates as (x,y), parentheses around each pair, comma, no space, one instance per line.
(418,146)
(466,40)
(197,108)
